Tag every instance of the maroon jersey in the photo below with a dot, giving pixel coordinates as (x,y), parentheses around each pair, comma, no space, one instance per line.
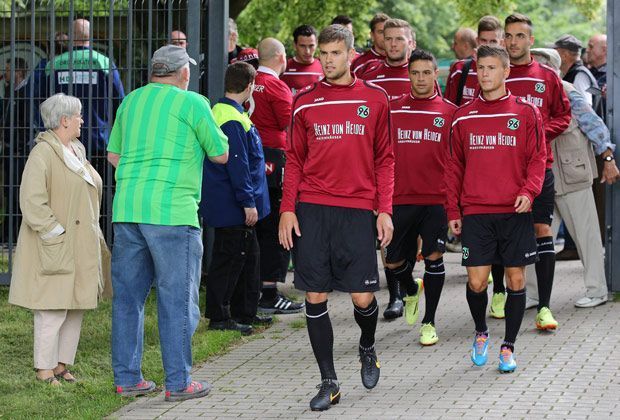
(541,86)
(365,57)
(497,153)
(297,75)
(454,78)
(420,132)
(340,153)
(270,108)
(393,79)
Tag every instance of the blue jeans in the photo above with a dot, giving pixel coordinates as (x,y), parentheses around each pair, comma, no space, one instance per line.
(168,257)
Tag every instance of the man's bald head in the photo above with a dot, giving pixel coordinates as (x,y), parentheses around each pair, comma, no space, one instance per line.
(464,44)
(271,53)
(597,50)
(81,32)
(268,49)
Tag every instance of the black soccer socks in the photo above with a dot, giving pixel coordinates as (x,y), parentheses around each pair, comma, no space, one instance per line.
(404,275)
(515,308)
(498,278)
(477,302)
(545,268)
(434,277)
(366,318)
(321,338)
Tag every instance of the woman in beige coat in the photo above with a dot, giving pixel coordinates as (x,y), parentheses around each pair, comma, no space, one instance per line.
(61,261)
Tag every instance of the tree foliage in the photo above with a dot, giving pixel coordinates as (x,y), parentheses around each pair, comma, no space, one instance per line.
(434,21)
(276,18)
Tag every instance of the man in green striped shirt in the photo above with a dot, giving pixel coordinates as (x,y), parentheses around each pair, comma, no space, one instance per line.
(160,137)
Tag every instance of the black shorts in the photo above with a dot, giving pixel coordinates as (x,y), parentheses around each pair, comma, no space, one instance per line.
(411,221)
(274,258)
(506,239)
(336,250)
(542,207)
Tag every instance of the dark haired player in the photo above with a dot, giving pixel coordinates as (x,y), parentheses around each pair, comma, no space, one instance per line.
(421,124)
(496,169)
(303,69)
(339,168)
(541,86)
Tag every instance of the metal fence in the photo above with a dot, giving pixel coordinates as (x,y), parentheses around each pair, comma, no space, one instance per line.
(97,50)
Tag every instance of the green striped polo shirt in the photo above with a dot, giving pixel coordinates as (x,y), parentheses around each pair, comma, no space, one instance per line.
(162,134)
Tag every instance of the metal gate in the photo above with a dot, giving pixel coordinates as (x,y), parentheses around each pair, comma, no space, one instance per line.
(97,50)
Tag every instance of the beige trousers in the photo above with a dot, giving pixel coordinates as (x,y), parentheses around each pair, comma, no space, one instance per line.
(56,337)
(578,211)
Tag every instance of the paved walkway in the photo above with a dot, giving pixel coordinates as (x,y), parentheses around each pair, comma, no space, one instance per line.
(572,373)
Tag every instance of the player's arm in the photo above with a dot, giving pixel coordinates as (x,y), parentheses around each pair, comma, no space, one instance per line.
(536,160)
(293,170)
(452,84)
(384,174)
(559,115)
(455,170)
(238,168)
(282,103)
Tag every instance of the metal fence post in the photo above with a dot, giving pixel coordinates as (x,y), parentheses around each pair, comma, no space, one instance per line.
(217,52)
(612,210)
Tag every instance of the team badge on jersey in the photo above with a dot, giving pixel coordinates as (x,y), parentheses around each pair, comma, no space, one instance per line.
(439,122)
(363,111)
(513,124)
(540,87)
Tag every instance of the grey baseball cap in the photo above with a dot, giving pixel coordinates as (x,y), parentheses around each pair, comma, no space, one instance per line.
(568,42)
(550,54)
(168,59)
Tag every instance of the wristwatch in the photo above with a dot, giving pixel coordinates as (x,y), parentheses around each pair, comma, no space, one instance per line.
(608,158)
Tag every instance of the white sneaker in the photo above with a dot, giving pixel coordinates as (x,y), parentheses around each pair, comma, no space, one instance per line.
(590,302)
(530,302)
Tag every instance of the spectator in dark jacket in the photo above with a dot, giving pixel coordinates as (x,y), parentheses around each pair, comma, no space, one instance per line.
(235,197)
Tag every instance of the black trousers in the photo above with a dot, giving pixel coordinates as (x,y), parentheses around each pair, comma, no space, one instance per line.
(233,282)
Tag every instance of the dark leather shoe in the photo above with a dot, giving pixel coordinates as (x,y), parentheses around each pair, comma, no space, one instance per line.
(231,325)
(258,319)
(567,255)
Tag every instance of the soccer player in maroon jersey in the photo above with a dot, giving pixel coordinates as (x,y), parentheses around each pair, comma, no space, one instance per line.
(377,50)
(339,168)
(496,169)
(490,32)
(391,74)
(421,124)
(303,69)
(541,86)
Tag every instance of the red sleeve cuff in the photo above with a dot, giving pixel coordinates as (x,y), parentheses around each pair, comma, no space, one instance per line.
(454,215)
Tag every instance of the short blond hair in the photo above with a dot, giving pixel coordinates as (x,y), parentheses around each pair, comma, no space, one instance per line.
(400,23)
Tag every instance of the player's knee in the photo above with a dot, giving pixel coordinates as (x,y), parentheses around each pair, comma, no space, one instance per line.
(542,230)
(394,266)
(362,300)
(515,278)
(434,256)
(316,297)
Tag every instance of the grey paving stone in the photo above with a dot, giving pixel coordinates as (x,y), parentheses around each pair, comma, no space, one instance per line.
(571,373)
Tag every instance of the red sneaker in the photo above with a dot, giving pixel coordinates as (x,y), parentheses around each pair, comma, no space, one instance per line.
(142,388)
(196,389)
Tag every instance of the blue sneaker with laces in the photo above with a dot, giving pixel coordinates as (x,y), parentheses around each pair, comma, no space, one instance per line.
(507,363)
(479,350)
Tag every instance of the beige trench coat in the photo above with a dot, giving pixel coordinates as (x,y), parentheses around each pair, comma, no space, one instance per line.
(72,270)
